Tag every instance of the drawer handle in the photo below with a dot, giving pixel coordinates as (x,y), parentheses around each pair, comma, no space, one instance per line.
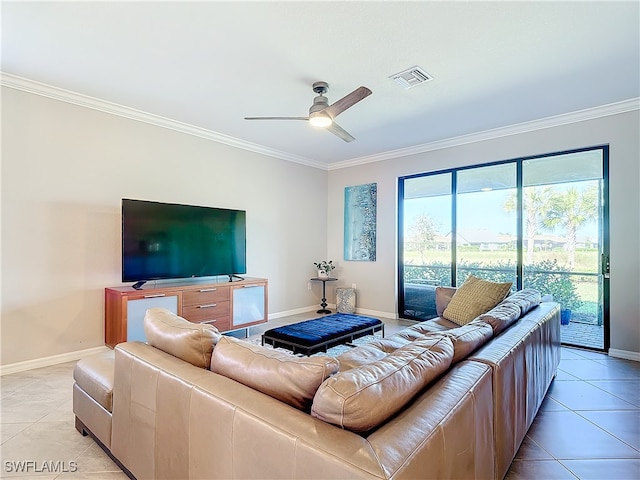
(205,290)
(210,305)
(251,286)
(210,321)
(154,296)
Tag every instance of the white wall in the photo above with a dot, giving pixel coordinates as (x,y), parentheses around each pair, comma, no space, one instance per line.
(65,169)
(376,281)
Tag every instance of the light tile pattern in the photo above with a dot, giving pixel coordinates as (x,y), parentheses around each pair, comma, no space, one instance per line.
(39,439)
(588,426)
(583,334)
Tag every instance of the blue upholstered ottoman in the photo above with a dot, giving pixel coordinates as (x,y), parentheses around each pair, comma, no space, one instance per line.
(319,334)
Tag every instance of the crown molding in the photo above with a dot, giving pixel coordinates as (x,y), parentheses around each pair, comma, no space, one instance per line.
(45,90)
(549,122)
(55,93)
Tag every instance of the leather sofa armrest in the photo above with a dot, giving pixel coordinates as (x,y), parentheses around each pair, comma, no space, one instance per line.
(443,297)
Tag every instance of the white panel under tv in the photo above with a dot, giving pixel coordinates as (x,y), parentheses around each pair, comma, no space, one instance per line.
(248,304)
(136,310)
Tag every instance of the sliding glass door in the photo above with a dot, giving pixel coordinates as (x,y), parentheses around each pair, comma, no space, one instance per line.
(426,253)
(565,224)
(538,222)
(486,226)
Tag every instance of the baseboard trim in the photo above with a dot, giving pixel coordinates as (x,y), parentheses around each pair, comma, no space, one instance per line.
(295,311)
(313,308)
(376,313)
(624,354)
(77,355)
(48,361)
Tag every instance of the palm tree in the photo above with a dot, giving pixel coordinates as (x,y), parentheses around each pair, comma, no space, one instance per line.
(570,210)
(537,201)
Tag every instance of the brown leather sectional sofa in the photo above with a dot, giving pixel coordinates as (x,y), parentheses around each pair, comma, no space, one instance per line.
(434,401)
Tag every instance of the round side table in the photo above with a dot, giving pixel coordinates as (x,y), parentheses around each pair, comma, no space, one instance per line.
(324,281)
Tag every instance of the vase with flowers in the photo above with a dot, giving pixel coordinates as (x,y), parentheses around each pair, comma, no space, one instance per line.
(324,268)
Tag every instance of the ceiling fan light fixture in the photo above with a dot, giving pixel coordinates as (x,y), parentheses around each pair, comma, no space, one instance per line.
(320,119)
(321,114)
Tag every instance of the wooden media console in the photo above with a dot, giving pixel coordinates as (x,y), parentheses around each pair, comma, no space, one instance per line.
(226,305)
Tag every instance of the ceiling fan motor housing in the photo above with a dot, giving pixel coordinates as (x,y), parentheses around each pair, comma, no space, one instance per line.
(319,104)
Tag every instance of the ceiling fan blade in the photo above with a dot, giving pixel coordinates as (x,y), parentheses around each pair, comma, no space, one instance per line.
(340,132)
(276,118)
(347,101)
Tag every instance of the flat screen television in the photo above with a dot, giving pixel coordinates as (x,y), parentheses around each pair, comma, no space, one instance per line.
(173,241)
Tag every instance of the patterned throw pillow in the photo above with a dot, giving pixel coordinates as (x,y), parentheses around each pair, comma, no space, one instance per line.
(475,297)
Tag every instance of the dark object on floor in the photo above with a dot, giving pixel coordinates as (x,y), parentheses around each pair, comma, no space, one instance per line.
(319,334)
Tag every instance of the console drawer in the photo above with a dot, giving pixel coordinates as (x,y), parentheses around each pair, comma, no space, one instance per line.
(205,296)
(206,312)
(221,323)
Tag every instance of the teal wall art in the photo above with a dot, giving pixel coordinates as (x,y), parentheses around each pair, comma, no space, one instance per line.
(360,204)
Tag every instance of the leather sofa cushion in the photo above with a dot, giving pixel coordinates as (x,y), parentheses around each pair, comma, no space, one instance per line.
(526,299)
(465,339)
(378,349)
(420,331)
(512,308)
(290,379)
(94,375)
(387,345)
(433,325)
(362,398)
(191,342)
(501,317)
(468,338)
(366,354)
(371,352)
(474,297)
(410,335)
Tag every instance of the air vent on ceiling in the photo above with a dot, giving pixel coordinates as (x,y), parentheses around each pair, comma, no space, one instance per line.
(411,77)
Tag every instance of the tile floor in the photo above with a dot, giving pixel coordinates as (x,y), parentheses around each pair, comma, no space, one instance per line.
(583,334)
(588,426)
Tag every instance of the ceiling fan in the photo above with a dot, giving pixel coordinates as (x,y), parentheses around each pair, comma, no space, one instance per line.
(321,114)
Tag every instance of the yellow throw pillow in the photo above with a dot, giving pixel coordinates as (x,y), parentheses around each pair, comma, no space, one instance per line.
(475,297)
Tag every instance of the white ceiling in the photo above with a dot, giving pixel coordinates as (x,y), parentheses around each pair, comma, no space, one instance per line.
(209,64)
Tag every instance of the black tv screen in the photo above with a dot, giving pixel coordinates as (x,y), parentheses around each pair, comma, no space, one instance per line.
(171,241)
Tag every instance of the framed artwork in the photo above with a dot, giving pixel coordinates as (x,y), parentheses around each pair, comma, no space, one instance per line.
(360,205)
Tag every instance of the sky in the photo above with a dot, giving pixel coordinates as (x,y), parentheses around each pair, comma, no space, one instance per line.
(479,210)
